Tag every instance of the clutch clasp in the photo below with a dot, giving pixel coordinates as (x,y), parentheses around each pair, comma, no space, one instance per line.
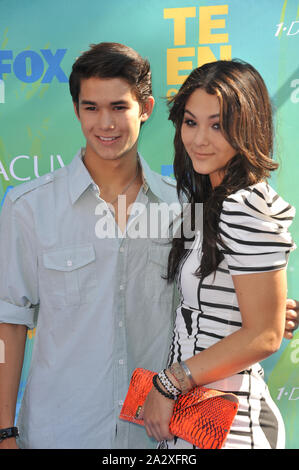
(138,411)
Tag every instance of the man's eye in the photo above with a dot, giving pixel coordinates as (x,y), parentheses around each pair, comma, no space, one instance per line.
(90,108)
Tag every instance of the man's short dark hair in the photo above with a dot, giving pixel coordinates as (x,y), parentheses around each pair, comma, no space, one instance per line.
(112,60)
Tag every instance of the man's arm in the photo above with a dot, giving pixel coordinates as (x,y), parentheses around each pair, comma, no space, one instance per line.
(14,339)
(18,300)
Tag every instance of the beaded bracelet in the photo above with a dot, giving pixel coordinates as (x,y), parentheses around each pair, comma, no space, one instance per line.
(157,387)
(166,382)
(167,375)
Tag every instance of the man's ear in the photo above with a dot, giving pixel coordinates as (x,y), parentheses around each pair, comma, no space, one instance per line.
(147,108)
(76,108)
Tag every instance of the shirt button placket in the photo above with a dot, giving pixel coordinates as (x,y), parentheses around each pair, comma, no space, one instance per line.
(121,346)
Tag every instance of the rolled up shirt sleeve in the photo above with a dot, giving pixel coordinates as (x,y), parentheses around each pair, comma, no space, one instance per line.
(18,261)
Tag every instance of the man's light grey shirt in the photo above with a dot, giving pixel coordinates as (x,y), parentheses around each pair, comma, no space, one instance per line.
(99,305)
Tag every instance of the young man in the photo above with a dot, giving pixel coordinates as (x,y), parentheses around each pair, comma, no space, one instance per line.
(99,303)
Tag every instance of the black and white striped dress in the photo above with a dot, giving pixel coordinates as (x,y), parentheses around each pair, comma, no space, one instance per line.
(254,225)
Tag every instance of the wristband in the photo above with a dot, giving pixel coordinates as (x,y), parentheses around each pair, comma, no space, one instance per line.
(157,387)
(166,382)
(8,432)
(188,373)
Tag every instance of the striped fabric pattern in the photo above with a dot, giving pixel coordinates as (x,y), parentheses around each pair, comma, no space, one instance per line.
(254,226)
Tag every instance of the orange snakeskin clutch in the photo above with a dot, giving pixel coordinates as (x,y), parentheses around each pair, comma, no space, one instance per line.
(202,416)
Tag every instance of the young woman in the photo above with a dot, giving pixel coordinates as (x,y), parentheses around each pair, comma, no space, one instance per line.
(233,280)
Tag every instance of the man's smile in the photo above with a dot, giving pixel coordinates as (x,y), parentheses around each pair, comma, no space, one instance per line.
(107,140)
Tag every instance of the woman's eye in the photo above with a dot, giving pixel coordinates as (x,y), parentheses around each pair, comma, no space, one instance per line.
(216,126)
(189,122)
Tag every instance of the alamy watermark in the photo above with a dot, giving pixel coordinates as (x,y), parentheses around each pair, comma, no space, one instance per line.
(153,220)
(2,352)
(2,91)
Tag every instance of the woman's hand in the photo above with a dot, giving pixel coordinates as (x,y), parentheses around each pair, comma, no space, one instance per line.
(157,414)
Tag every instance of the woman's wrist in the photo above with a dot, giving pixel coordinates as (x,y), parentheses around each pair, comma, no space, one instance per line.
(183,376)
(173,382)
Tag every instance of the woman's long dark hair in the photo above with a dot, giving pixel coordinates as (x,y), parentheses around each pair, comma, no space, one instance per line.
(246,123)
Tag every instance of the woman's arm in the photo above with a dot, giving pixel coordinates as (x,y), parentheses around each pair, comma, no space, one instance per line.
(262,300)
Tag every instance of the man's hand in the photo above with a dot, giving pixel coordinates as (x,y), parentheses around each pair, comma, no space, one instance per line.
(292,318)
(9,443)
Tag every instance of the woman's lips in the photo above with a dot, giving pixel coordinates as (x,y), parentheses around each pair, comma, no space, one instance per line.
(203,155)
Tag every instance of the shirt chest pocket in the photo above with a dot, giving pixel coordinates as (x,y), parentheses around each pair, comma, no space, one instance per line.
(156,287)
(70,274)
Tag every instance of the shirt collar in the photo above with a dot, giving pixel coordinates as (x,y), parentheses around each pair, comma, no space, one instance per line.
(153,180)
(80,179)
